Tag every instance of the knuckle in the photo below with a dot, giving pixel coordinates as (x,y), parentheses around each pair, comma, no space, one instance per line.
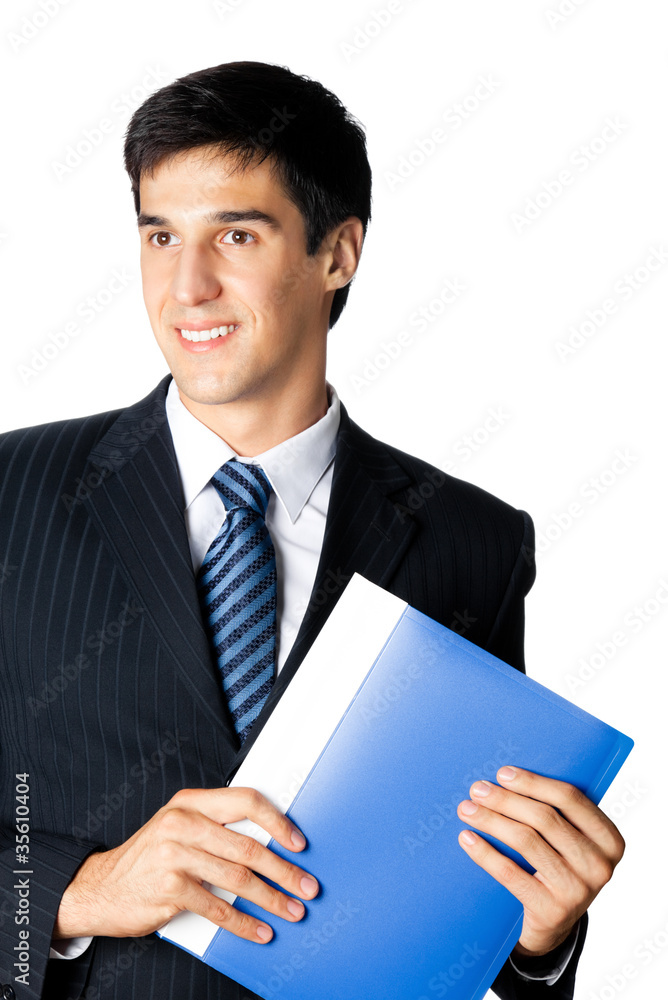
(619,848)
(223,913)
(526,838)
(572,794)
(173,822)
(240,877)
(254,798)
(245,926)
(288,873)
(248,849)
(549,817)
(167,854)
(507,873)
(182,797)
(605,870)
(173,884)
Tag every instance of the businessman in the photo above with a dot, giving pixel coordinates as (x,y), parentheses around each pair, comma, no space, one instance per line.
(167,566)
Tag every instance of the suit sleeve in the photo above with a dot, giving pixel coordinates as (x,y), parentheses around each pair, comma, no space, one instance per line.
(29,902)
(506,640)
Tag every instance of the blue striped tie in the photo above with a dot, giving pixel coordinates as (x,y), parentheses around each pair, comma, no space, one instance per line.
(237,590)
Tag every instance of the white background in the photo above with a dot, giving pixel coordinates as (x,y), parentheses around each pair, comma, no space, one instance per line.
(555,79)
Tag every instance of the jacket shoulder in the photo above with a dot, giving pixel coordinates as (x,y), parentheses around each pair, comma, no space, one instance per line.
(430,487)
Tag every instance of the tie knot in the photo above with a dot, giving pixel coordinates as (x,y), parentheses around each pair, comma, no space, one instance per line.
(243,486)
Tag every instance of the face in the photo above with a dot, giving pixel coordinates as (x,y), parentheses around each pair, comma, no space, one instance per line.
(223,257)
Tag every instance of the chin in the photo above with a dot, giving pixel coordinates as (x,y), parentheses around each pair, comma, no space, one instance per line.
(208,390)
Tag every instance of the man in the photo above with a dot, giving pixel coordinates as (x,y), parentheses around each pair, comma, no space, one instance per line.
(169,565)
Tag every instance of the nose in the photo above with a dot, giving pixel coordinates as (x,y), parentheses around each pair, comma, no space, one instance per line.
(195,278)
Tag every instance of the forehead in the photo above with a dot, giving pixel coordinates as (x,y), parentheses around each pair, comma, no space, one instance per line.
(196,180)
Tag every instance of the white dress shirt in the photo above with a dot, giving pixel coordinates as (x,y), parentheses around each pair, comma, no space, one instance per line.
(300,472)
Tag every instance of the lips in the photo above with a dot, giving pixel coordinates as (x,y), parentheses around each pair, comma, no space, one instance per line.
(208,339)
(199,334)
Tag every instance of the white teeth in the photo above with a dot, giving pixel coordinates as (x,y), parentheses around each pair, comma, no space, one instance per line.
(197,336)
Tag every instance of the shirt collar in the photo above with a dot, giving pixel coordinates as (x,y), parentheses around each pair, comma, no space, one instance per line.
(293,467)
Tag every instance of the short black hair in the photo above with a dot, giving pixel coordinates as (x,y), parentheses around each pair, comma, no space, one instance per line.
(255,110)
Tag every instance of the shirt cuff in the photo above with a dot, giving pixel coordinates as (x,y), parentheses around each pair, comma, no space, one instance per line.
(547,968)
(69,947)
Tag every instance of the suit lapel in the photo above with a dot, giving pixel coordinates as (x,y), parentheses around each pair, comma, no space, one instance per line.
(138,509)
(365,533)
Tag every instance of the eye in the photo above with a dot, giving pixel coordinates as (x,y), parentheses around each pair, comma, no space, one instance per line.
(159,239)
(234,233)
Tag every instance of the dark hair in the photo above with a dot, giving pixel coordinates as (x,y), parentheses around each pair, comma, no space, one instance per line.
(256,110)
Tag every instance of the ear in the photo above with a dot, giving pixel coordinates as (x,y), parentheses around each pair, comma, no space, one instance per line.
(344,247)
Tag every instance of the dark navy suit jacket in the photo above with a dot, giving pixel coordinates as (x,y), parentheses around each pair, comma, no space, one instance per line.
(111,701)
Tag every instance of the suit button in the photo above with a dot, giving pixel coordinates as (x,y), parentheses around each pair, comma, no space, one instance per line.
(8,993)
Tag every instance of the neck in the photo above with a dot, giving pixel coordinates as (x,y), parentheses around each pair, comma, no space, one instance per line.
(252,426)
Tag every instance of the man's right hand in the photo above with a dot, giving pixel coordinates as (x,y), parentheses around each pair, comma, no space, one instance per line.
(137,887)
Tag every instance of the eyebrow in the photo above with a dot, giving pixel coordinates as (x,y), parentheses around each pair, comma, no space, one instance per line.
(216,218)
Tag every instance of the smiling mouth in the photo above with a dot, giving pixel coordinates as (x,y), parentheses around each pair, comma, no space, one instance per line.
(197,336)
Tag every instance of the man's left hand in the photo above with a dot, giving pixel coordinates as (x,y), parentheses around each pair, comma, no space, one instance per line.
(573,846)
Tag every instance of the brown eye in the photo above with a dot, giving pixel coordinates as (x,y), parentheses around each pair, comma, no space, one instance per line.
(161,239)
(238,237)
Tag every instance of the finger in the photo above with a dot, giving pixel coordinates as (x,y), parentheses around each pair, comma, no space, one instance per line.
(579,810)
(182,829)
(242,850)
(580,854)
(229,805)
(523,839)
(196,865)
(199,900)
(527,889)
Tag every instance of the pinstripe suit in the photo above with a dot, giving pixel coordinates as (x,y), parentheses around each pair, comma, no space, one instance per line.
(111,701)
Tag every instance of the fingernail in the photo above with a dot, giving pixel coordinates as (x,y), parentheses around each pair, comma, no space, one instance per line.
(481,788)
(298,839)
(263,932)
(468,808)
(507,773)
(296,908)
(309,885)
(467,837)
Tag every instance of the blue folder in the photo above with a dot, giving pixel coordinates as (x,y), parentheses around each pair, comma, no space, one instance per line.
(403,912)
